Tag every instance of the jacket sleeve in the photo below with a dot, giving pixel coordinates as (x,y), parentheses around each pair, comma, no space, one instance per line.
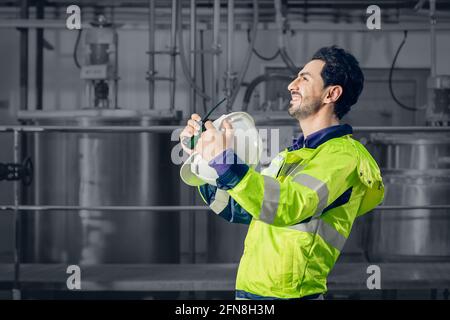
(223,205)
(298,197)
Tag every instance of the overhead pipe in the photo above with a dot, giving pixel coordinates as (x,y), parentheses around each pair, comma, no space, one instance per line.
(433,37)
(23,58)
(246,62)
(193,54)
(151,53)
(280,20)
(173,33)
(171,128)
(216,50)
(184,64)
(129,25)
(230,34)
(202,69)
(39,76)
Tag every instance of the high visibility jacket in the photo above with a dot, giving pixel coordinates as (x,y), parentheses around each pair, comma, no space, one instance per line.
(300,211)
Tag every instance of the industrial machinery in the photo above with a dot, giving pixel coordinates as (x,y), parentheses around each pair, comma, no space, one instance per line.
(416,172)
(91,169)
(17,171)
(100,65)
(438,112)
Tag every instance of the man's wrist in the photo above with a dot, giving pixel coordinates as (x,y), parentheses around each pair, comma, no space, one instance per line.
(230,169)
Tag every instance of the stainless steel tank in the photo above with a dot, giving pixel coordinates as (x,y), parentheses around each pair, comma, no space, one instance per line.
(102,169)
(416,172)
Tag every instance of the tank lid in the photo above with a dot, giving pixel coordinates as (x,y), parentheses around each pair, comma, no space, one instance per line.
(411,138)
(105,114)
(443,174)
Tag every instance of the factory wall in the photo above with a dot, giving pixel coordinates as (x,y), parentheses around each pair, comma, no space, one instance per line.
(63,88)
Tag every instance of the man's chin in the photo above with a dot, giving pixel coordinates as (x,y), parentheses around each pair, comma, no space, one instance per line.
(293,110)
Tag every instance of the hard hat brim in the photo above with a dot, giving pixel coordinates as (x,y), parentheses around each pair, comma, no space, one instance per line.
(187,176)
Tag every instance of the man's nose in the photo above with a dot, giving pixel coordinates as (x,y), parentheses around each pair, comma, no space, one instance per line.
(294,85)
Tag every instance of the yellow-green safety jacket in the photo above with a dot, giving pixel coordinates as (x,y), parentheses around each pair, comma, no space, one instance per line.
(300,211)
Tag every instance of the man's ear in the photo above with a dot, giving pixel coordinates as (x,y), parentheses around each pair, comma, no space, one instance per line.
(333,93)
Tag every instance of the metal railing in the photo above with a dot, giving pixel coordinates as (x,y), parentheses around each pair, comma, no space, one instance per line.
(170,128)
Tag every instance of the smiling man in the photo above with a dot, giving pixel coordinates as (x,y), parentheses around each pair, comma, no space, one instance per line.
(300,210)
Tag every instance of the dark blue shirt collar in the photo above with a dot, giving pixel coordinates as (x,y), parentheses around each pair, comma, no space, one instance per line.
(317,138)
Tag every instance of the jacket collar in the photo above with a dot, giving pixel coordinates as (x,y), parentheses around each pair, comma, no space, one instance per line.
(317,138)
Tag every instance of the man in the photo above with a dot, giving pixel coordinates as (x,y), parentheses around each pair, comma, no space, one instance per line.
(302,207)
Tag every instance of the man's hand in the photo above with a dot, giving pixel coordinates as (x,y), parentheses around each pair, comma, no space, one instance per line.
(192,128)
(213,142)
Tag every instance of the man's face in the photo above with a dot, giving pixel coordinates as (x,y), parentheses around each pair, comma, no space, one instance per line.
(307,91)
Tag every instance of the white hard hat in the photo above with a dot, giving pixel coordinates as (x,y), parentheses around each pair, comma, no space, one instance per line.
(195,171)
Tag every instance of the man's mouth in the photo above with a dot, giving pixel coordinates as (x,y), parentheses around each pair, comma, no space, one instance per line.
(295,96)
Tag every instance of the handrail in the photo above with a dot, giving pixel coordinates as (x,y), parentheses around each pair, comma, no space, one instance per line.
(175,208)
(170,128)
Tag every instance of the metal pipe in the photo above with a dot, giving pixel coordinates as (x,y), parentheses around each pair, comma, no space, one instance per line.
(173,33)
(165,129)
(125,129)
(23,106)
(101,208)
(17,222)
(23,58)
(39,56)
(280,20)
(151,53)
(433,37)
(202,68)
(37,182)
(116,69)
(216,49)
(185,66)
(127,25)
(246,62)
(193,55)
(192,109)
(230,34)
(174,208)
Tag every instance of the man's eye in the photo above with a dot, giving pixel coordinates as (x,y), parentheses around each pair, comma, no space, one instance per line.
(304,78)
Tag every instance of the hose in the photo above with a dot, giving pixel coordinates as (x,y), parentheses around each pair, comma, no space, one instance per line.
(248,55)
(259,55)
(258,80)
(288,61)
(183,61)
(75,49)
(202,69)
(391,71)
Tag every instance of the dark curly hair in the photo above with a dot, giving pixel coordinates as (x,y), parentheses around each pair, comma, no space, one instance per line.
(341,68)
